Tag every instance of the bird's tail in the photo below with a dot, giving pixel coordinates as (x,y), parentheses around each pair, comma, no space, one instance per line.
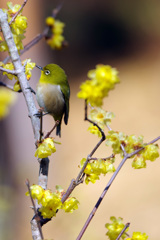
(58,129)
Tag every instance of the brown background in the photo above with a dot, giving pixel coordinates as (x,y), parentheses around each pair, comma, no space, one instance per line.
(126,35)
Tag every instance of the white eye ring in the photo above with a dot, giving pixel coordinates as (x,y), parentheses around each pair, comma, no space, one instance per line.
(47,72)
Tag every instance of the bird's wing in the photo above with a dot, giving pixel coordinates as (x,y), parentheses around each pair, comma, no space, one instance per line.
(66,106)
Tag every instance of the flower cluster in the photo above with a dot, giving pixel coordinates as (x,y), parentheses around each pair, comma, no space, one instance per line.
(18,26)
(102,80)
(7,98)
(45,148)
(131,144)
(150,152)
(115,228)
(28,67)
(138,236)
(51,202)
(101,118)
(56,40)
(97,167)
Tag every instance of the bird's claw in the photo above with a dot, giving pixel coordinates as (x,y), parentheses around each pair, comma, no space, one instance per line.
(31,89)
(40,113)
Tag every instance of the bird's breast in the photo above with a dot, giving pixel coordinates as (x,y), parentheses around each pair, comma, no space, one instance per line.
(50,98)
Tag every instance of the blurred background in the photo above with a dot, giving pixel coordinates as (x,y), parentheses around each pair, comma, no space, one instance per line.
(126,35)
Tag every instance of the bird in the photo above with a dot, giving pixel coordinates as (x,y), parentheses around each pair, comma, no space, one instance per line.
(53,93)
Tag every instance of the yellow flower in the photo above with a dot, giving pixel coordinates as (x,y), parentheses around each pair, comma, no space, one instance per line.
(139,162)
(51,200)
(138,236)
(97,167)
(50,21)
(47,212)
(17,86)
(18,41)
(92,92)
(3,46)
(29,66)
(94,130)
(13,9)
(55,41)
(101,117)
(91,178)
(7,98)
(115,228)
(46,148)
(58,27)
(19,25)
(36,192)
(50,203)
(9,66)
(103,79)
(70,204)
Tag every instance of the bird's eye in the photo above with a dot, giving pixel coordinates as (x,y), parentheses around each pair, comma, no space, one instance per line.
(47,72)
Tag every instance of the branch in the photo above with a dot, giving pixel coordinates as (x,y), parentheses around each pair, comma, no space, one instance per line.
(75,182)
(26,92)
(20,73)
(80,175)
(91,215)
(14,17)
(16,14)
(39,36)
(36,217)
(30,44)
(122,147)
(105,158)
(8,86)
(123,230)
(14,72)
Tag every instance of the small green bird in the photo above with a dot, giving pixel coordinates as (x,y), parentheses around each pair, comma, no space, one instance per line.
(53,93)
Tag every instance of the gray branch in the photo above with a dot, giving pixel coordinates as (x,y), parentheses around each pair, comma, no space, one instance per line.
(20,73)
(19,69)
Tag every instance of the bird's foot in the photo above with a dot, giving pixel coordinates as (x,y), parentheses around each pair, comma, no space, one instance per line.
(32,90)
(39,114)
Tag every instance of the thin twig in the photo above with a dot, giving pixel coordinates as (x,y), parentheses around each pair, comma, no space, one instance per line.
(91,215)
(57,9)
(105,158)
(80,175)
(49,133)
(75,182)
(35,210)
(123,230)
(69,190)
(122,147)
(9,71)
(36,39)
(7,86)
(16,14)
(30,44)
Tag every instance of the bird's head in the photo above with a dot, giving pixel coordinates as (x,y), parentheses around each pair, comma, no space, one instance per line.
(53,74)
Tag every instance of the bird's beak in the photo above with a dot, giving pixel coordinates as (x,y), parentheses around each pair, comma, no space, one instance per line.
(39,67)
